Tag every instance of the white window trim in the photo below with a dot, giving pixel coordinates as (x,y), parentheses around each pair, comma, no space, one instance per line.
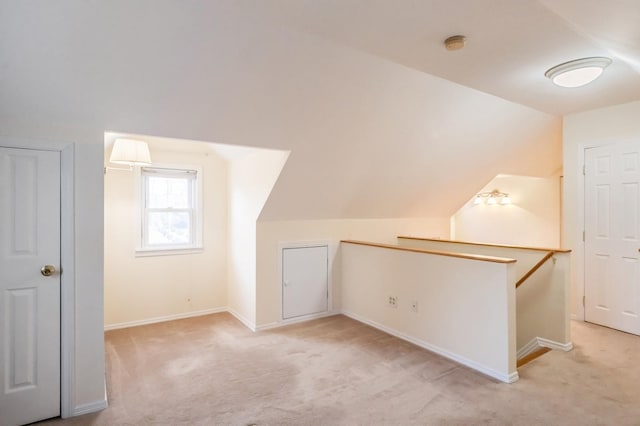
(197,246)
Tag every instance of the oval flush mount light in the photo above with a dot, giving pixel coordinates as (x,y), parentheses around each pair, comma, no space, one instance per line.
(578,72)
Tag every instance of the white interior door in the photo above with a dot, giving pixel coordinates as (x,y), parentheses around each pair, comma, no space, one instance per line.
(29,300)
(612,236)
(305,284)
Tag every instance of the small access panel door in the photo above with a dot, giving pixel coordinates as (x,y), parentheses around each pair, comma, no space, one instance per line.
(305,281)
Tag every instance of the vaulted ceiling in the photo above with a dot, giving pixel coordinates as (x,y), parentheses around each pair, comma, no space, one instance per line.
(380,120)
(510,44)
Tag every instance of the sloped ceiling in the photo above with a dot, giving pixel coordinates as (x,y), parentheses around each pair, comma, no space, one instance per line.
(510,44)
(369,137)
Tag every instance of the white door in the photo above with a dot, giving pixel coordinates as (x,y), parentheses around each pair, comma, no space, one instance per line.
(612,236)
(29,300)
(304,281)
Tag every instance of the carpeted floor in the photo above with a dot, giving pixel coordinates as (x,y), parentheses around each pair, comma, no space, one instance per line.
(333,371)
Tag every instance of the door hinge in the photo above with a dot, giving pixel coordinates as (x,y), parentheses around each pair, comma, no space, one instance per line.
(583,233)
(584,169)
(583,301)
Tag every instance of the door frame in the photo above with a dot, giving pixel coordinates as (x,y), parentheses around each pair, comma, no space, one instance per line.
(580,264)
(331,254)
(67,267)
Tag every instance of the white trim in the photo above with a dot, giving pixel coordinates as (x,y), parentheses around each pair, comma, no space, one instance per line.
(529,348)
(580,244)
(168,252)
(250,325)
(197,228)
(35,144)
(164,318)
(507,378)
(546,343)
(540,342)
(90,407)
(296,320)
(67,283)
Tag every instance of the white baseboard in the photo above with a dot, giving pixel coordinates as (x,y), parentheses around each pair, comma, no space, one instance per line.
(503,377)
(164,318)
(90,407)
(249,324)
(540,342)
(531,346)
(546,343)
(289,321)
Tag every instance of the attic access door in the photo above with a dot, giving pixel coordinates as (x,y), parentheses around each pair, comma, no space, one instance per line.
(305,281)
(612,236)
(29,285)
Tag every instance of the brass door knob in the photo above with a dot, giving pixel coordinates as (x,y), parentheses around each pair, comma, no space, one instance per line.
(48,270)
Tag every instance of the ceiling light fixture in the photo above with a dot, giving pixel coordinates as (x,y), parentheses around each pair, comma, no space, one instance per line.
(578,72)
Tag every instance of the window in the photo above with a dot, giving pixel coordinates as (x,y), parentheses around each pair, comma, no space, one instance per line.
(170,216)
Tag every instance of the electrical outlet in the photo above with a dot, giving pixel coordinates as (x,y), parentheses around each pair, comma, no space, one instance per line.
(392,302)
(414,306)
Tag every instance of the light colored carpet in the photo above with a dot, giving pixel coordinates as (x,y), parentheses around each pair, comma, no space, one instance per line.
(333,371)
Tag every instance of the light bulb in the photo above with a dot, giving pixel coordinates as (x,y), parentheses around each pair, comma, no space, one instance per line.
(505,200)
(491,201)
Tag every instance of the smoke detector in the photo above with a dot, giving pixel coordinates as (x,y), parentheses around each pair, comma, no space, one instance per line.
(455,42)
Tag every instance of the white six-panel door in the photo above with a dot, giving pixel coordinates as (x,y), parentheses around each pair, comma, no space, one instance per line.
(612,236)
(305,280)
(29,301)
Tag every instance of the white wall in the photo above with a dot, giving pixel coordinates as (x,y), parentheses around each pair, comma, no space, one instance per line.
(466,308)
(251,178)
(532,220)
(582,130)
(526,259)
(141,289)
(542,307)
(89,271)
(273,233)
(369,138)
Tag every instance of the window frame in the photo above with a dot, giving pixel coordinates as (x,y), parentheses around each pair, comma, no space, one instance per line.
(196,245)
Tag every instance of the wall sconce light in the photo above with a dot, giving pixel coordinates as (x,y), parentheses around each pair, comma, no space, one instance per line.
(492,198)
(129,152)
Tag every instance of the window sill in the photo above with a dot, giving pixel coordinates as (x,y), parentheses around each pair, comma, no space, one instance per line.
(168,251)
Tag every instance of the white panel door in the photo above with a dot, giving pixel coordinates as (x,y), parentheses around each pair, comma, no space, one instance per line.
(29,300)
(304,281)
(612,236)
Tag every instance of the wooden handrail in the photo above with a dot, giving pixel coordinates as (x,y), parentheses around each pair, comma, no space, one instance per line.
(485,244)
(535,268)
(438,253)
